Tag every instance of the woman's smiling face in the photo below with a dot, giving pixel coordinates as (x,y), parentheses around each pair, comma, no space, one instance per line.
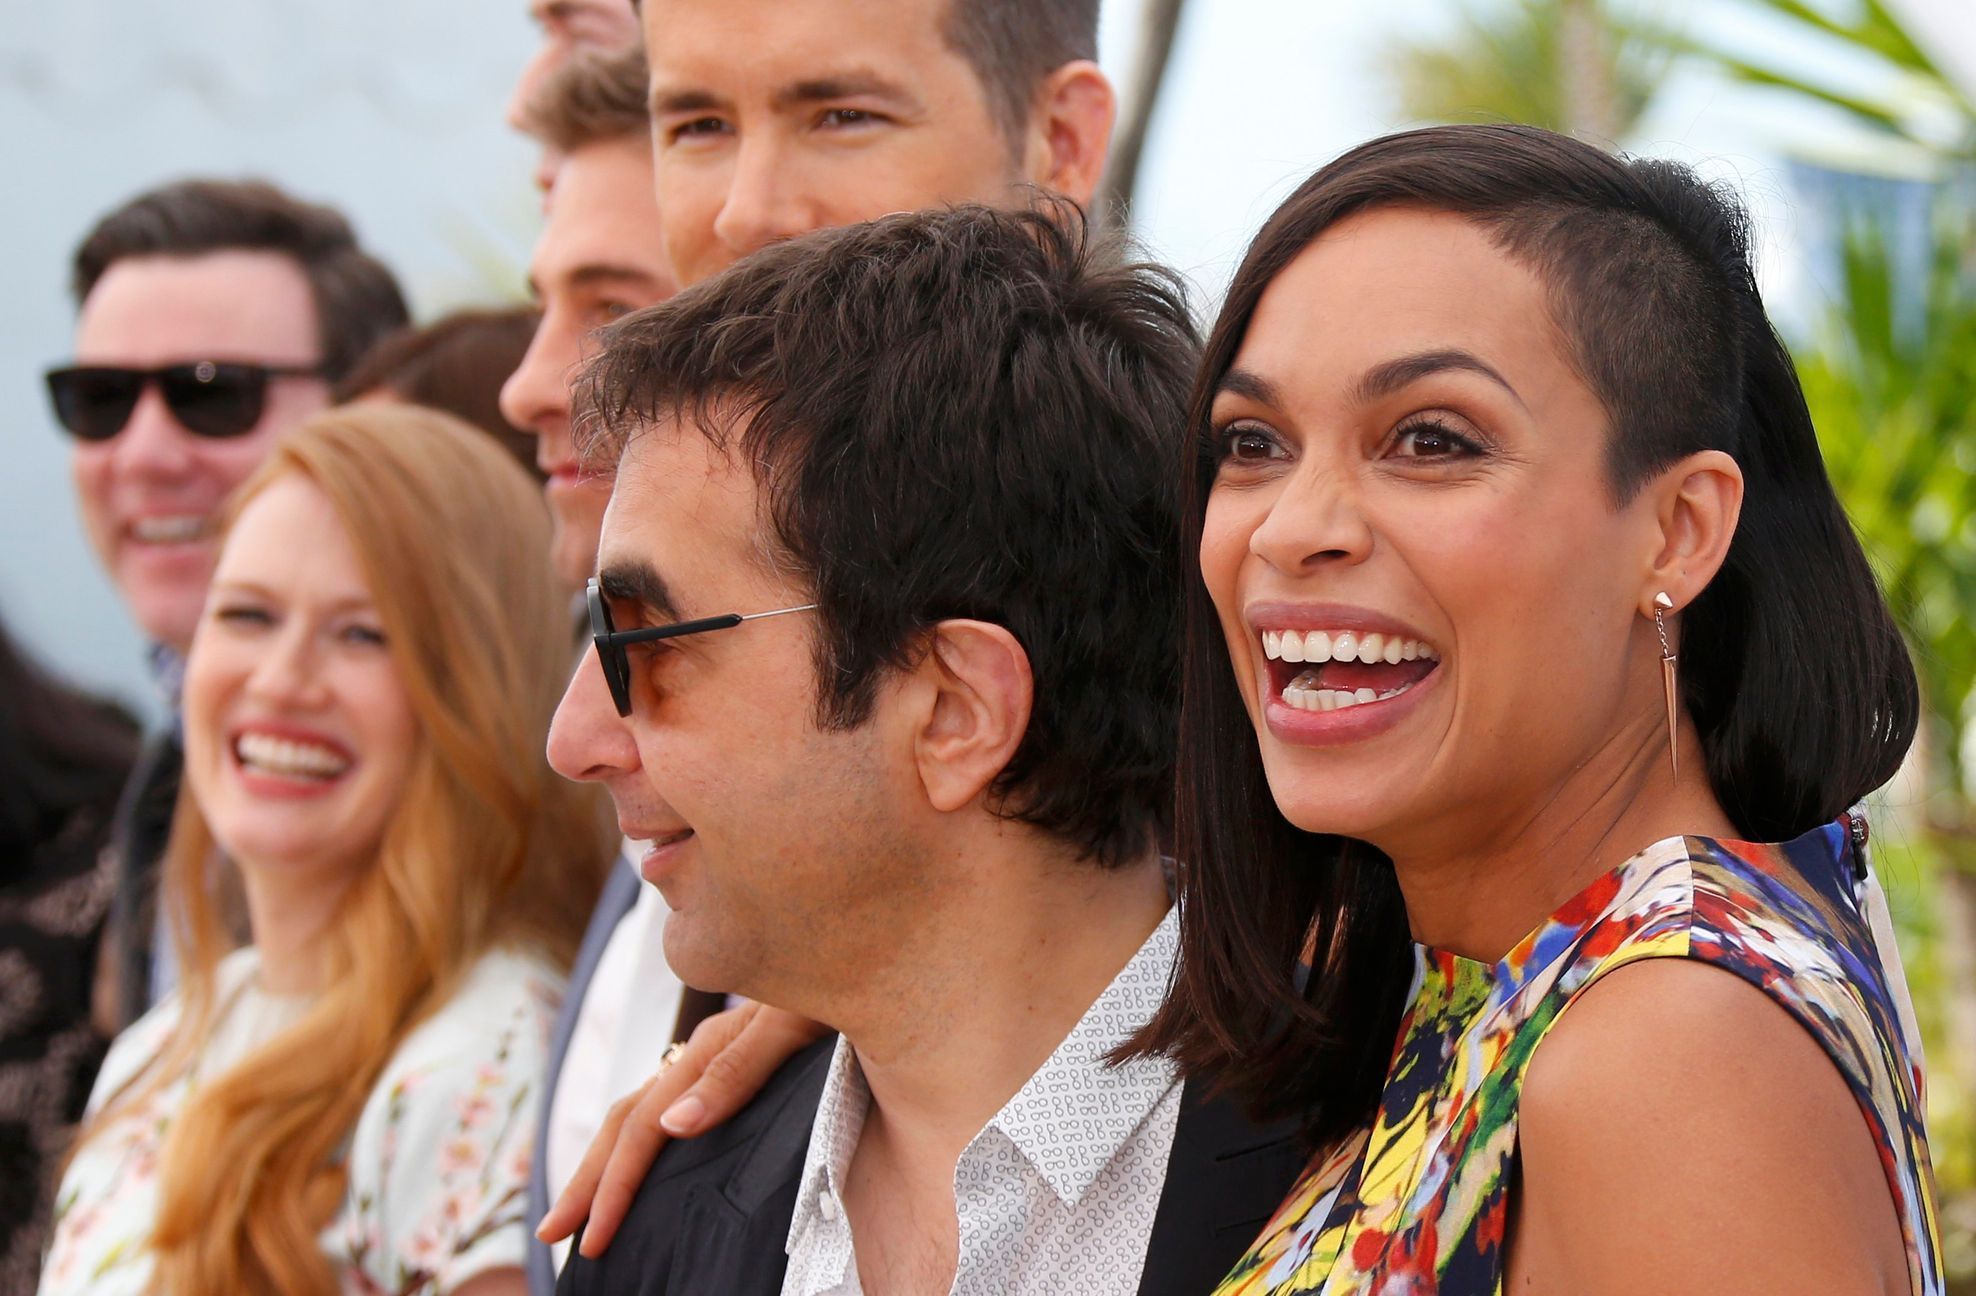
(299,735)
(1429,594)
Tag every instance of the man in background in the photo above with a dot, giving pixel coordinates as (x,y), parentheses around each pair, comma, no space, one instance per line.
(215,316)
(570,29)
(599,257)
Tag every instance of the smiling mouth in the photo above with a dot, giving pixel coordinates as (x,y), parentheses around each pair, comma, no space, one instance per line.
(181,529)
(287,758)
(1344,668)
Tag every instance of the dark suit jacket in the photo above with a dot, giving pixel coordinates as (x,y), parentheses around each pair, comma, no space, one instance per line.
(620,894)
(713,1216)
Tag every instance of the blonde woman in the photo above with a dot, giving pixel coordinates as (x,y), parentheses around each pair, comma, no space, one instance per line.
(346,1103)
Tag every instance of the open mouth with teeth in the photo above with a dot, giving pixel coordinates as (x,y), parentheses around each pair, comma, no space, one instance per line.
(168,530)
(287,758)
(1331,670)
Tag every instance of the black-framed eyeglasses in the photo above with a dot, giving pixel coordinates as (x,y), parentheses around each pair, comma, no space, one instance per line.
(209,398)
(610,640)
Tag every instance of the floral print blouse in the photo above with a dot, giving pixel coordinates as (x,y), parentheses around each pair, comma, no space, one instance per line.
(438,1162)
(1420,1202)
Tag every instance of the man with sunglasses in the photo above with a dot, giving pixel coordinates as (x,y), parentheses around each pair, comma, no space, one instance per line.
(214,317)
(885,679)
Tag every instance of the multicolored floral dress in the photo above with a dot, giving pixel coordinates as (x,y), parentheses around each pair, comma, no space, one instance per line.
(437,1164)
(1420,1203)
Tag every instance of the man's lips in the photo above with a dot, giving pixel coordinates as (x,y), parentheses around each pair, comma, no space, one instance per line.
(661,849)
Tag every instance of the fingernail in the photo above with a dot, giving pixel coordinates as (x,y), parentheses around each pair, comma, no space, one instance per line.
(684,1116)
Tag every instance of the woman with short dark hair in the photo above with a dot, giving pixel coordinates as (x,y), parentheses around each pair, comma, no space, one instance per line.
(1525,613)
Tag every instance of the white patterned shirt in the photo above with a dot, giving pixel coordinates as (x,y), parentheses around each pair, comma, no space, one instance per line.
(1057,1193)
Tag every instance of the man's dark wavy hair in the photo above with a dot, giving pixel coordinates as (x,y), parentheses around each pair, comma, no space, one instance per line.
(356,299)
(956,414)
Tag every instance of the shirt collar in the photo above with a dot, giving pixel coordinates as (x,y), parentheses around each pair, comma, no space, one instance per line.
(1073,1090)
(1077,1090)
(840,1119)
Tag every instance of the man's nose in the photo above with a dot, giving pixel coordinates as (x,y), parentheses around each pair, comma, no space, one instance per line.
(153,442)
(588,740)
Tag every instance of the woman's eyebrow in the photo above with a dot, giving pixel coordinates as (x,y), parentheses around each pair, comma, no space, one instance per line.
(1386,378)
(1250,386)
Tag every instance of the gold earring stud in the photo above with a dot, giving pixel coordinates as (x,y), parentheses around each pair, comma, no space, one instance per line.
(1662,606)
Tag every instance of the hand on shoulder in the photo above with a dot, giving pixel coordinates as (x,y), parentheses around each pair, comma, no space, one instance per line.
(1680,1131)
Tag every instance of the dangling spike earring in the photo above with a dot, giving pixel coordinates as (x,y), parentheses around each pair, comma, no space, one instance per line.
(1662,606)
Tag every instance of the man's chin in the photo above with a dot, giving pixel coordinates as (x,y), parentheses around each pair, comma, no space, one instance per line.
(702,963)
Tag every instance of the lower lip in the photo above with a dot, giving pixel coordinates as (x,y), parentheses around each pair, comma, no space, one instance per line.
(279,787)
(1349,725)
(659,861)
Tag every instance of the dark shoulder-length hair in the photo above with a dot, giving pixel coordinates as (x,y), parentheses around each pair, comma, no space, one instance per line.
(1791,667)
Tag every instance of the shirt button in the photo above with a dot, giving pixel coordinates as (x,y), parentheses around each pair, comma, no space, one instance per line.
(826,1206)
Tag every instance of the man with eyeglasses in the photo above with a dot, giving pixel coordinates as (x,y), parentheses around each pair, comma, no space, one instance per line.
(885,680)
(214,317)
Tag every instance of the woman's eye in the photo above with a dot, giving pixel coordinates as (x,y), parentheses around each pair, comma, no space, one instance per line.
(243,616)
(1250,443)
(369,636)
(1431,440)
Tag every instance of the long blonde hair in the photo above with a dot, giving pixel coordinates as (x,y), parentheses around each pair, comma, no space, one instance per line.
(487,847)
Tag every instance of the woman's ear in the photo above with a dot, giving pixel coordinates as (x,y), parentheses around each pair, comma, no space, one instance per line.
(1695,503)
(982,694)
(1069,132)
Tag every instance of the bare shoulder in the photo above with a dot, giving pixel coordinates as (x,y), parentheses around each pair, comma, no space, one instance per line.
(1679,1130)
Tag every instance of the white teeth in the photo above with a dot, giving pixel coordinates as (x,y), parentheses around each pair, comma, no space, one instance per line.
(1343,645)
(1304,694)
(168,530)
(288,759)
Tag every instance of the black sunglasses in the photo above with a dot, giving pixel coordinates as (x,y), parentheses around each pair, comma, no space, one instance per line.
(610,640)
(209,398)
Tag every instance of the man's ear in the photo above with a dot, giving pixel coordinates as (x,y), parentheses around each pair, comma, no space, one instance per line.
(1070,130)
(1695,504)
(982,691)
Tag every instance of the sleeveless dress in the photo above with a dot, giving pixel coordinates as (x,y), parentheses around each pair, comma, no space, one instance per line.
(1419,1203)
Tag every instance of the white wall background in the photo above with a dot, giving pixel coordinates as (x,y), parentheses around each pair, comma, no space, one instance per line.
(392,110)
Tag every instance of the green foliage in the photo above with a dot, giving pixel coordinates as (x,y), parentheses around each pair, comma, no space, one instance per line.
(1911,100)
(1513,61)
(1894,401)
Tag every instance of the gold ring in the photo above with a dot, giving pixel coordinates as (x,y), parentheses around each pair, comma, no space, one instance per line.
(671,1055)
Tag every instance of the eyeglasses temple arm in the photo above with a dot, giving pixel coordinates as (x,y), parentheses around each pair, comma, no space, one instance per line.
(651,633)
(756,616)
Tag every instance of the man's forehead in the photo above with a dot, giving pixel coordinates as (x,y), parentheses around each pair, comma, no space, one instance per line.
(695,41)
(251,303)
(676,492)
(601,215)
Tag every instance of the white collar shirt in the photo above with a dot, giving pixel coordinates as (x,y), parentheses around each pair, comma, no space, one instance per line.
(1057,1193)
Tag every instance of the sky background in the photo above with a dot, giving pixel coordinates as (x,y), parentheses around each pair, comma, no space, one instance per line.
(391,109)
